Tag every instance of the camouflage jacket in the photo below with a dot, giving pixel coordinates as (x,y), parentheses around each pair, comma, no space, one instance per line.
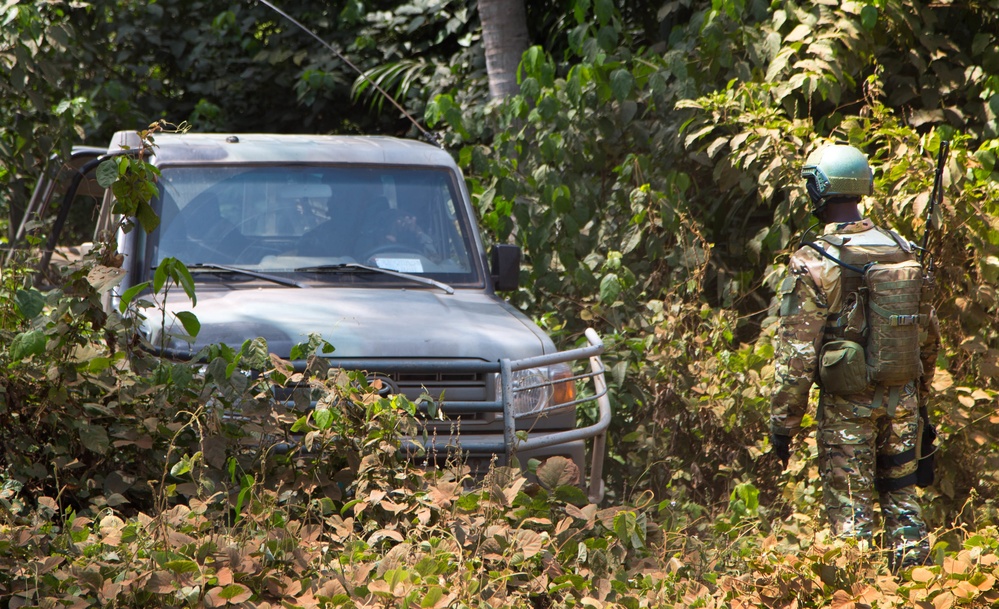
(809,295)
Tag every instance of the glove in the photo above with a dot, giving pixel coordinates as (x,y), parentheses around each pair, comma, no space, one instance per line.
(782,447)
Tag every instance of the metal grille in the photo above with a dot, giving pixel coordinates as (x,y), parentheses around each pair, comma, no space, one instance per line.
(443,387)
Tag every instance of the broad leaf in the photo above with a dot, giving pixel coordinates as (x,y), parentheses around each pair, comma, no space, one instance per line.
(190,322)
(323,418)
(622,82)
(27,344)
(129,295)
(107,172)
(556,472)
(94,438)
(103,278)
(30,302)
(610,288)
(235,593)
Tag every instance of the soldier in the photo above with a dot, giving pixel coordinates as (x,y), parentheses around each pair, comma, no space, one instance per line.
(868,432)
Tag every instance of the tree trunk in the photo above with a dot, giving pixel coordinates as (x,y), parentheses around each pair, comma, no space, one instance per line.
(504,32)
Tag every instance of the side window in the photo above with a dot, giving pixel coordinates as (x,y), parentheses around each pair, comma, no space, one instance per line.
(83,211)
(67,227)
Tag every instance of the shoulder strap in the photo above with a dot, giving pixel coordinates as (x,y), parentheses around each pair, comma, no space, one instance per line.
(826,254)
(836,240)
(897,238)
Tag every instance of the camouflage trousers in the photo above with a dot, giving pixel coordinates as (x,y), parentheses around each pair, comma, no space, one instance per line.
(865,455)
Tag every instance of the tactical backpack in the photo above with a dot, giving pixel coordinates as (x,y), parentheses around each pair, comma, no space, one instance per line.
(882,287)
(874,339)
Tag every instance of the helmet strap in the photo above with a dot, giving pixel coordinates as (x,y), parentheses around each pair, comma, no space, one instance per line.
(818,201)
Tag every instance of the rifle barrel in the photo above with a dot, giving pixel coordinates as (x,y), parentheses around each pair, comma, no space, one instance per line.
(936,196)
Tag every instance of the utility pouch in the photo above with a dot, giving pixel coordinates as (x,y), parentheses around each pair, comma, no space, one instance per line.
(853,319)
(843,367)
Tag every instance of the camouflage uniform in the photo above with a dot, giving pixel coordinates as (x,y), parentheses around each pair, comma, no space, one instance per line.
(862,450)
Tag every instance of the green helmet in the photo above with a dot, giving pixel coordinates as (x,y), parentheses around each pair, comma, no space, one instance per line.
(837,170)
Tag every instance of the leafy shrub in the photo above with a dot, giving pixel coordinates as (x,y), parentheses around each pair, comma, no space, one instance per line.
(656,194)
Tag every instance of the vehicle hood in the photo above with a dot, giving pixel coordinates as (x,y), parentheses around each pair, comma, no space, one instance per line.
(360,322)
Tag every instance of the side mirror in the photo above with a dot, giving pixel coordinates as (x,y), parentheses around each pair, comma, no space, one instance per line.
(505,267)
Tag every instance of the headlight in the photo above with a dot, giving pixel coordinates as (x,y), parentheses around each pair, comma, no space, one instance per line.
(545,389)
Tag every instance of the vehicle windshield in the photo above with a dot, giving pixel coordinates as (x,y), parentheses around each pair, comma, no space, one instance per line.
(295,219)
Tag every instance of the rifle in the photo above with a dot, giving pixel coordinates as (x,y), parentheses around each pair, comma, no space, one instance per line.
(928,449)
(936,196)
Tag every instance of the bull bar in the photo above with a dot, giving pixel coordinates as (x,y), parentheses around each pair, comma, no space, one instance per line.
(511,441)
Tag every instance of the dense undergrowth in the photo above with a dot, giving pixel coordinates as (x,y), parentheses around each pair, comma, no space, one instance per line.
(158,485)
(655,193)
(130,481)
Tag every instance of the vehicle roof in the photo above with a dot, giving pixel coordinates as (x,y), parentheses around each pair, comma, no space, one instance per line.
(229,148)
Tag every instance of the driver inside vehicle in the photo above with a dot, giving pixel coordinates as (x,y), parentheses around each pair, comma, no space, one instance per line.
(404,229)
(326,233)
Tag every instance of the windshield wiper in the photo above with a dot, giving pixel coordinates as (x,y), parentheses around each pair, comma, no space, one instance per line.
(353,267)
(250,273)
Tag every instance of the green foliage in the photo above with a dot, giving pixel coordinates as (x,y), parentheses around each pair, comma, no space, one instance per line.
(656,195)
(575,173)
(422,48)
(346,522)
(134,188)
(41,113)
(649,169)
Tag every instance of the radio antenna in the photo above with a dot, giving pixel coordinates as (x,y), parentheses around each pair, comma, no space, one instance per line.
(430,136)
